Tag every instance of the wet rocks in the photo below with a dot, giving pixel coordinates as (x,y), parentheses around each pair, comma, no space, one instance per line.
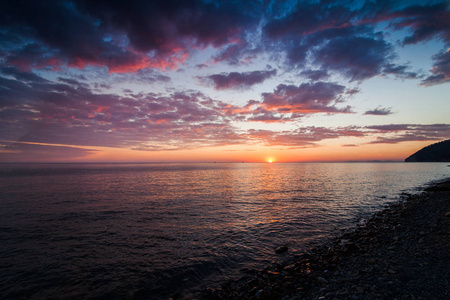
(281,249)
(322,280)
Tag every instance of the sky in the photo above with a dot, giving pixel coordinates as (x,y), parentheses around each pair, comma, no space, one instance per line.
(222,81)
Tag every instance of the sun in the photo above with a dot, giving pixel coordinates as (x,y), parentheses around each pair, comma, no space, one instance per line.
(270,160)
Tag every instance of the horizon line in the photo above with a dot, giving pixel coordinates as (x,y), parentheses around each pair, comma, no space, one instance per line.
(209,162)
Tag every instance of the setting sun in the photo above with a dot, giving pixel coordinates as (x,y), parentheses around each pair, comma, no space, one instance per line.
(270,160)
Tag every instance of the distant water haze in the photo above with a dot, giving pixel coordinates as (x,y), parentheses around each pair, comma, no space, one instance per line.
(101,230)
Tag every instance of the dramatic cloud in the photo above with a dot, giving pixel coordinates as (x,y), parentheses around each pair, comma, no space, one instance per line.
(332,39)
(400,71)
(35,110)
(290,103)
(307,18)
(315,75)
(379,111)
(357,58)
(76,74)
(425,22)
(154,34)
(306,98)
(124,38)
(235,80)
(241,52)
(343,39)
(440,70)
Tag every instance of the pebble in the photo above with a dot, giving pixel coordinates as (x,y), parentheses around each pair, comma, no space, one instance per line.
(322,280)
(281,249)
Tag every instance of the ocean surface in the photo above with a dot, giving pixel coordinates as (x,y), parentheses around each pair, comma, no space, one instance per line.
(71,231)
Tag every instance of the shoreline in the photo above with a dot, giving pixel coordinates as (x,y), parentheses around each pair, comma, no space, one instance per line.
(401,252)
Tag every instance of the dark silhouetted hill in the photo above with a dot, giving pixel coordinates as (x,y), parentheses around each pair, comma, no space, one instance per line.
(438,152)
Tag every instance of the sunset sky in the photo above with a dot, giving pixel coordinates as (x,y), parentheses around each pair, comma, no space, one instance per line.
(181,81)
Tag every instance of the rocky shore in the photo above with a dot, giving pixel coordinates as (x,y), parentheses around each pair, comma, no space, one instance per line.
(402,252)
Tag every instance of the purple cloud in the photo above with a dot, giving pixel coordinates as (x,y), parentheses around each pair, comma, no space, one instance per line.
(235,80)
(37,111)
(237,53)
(342,38)
(331,38)
(308,18)
(440,71)
(425,22)
(124,38)
(289,103)
(379,111)
(303,136)
(400,71)
(357,58)
(315,75)
(306,98)
(338,38)
(384,134)
(397,133)
(70,113)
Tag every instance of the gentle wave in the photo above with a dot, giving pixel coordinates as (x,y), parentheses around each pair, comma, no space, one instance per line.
(93,230)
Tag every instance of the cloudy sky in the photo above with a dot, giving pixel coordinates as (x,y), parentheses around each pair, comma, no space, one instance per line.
(129,81)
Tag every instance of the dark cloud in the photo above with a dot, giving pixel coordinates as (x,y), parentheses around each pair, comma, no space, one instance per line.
(22,76)
(352,91)
(237,53)
(308,18)
(440,71)
(340,37)
(315,75)
(306,98)
(328,36)
(389,128)
(400,71)
(161,25)
(425,22)
(124,38)
(236,80)
(379,111)
(357,58)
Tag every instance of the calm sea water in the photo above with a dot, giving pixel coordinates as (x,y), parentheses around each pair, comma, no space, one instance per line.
(97,230)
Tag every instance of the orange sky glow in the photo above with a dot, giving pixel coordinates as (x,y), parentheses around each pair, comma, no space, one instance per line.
(250,154)
(244,82)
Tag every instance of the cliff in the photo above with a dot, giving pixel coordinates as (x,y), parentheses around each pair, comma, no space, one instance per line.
(438,152)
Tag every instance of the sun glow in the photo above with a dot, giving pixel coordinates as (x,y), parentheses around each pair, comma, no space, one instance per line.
(270,160)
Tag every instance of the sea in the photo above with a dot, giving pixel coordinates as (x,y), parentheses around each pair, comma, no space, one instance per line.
(155,231)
